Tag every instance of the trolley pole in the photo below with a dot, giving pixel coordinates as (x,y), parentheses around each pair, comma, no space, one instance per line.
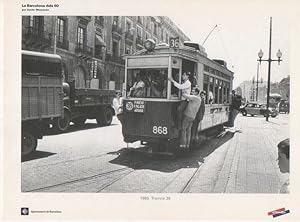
(260,55)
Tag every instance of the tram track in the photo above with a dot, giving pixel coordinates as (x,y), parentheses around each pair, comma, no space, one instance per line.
(127,171)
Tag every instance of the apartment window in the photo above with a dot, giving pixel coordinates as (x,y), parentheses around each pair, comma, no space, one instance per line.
(140,20)
(80,36)
(128,49)
(139,31)
(116,20)
(31,23)
(115,49)
(100,20)
(60,29)
(155,28)
(128,26)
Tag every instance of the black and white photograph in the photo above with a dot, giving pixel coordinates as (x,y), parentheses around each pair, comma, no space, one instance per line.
(128,104)
(163,106)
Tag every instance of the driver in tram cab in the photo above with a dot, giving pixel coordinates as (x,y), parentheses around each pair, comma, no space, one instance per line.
(185,87)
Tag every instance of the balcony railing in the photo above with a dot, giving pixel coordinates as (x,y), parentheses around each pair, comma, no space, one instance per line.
(83,50)
(129,35)
(139,40)
(35,37)
(63,44)
(117,29)
(116,59)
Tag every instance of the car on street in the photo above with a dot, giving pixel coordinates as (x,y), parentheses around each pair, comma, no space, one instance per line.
(284,106)
(254,109)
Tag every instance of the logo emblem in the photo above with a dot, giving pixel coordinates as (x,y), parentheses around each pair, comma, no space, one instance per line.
(129,106)
(24,211)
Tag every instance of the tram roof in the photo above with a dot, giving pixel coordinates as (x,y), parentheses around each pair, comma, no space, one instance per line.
(185,52)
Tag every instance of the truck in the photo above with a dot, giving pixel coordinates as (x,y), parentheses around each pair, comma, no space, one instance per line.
(42,96)
(84,103)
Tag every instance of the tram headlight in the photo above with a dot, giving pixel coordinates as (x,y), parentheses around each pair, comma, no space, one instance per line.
(149,45)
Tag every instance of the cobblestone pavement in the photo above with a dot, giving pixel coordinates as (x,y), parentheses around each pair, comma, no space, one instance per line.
(241,160)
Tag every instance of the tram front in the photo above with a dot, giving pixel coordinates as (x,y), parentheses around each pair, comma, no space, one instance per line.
(150,103)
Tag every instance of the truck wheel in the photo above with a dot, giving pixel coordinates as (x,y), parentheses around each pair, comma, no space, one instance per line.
(29,142)
(62,124)
(105,118)
(79,121)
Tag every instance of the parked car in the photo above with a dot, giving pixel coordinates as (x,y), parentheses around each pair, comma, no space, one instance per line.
(284,106)
(257,109)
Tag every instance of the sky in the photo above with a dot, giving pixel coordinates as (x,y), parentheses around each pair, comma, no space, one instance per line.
(242,30)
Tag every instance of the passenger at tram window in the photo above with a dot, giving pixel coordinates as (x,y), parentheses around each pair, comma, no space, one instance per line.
(185,87)
(137,90)
(158,88)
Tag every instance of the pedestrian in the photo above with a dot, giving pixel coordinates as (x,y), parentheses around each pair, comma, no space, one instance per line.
(234,107)
(284,162)
(210,97)
(189,116)
(198,119)
(118,105)
(185,88)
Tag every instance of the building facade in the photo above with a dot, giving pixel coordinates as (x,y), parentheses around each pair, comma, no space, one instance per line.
(91,47)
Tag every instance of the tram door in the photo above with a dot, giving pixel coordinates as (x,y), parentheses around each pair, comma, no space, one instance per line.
(190,67)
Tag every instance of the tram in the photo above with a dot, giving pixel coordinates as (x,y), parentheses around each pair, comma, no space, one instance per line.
(150,115)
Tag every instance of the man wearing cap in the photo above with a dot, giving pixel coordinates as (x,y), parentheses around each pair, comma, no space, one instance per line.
(198,119)
(185,88)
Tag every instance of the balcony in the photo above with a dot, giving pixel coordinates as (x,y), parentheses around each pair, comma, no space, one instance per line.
(139,40)
(37,38)
(115,59)
(83,51)
(63,44)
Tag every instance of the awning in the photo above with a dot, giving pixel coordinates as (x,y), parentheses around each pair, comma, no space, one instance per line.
(99,41)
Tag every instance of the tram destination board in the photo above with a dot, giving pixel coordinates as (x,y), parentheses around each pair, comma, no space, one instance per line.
(136,106)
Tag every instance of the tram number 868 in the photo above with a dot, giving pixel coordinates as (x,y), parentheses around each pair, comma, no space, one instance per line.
(160,130)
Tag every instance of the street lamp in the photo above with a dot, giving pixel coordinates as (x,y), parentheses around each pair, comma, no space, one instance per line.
(260,55)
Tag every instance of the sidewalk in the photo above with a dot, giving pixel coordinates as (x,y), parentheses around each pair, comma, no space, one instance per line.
(247,162)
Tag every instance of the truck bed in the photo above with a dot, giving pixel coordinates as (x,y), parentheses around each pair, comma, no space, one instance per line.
(41,97)
(93,97)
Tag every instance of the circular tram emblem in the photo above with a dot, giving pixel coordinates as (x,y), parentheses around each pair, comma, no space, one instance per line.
(129,106)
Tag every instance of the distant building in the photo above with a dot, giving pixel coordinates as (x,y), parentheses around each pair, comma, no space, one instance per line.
(91,47)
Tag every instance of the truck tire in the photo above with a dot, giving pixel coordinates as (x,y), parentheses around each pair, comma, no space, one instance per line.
(29,142)
(62,124)
(105,117)
(79,121)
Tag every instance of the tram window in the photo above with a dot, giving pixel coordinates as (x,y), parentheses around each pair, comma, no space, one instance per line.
(147,83)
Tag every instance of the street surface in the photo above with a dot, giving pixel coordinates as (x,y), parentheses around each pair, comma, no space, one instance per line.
(92,159)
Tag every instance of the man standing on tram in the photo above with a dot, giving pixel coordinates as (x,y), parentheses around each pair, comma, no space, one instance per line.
(198,119)
(189,116)
(185,87)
